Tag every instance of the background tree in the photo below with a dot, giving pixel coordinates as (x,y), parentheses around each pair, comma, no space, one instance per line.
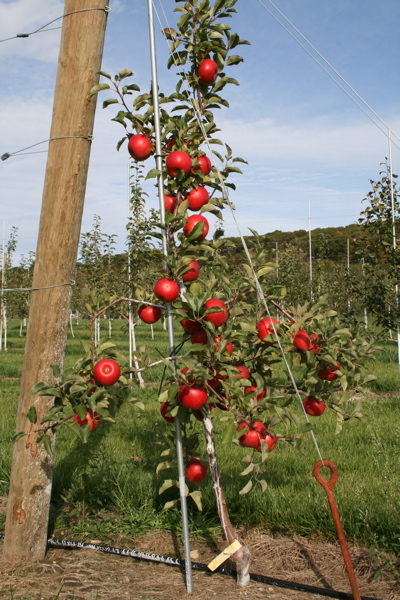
(6,281)
(378,248)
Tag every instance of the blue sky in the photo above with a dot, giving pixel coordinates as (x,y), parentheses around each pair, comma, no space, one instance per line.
(304,140)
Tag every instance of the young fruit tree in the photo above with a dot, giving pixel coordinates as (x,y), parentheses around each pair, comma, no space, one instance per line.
(254,378)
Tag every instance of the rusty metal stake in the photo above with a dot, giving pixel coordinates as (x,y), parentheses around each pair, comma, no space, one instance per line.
(329,487)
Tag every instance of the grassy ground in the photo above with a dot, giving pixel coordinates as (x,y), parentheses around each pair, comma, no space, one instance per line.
(109,486)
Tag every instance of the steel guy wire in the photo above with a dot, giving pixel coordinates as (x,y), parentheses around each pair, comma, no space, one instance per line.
(47,287)
(65,137)
(107,9)
(330,66)
(329,74)
(260,293)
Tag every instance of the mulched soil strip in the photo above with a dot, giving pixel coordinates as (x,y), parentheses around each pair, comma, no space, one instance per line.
(176,562)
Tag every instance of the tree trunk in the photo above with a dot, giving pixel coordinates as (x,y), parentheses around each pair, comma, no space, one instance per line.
(242,556)
(136,362)
(60,223)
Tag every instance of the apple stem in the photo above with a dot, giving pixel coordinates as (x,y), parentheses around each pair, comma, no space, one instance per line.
(242,556)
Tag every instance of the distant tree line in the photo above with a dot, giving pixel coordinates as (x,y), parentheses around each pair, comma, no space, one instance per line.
(355,265)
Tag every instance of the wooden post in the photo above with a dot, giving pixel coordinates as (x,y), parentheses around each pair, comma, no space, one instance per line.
(79,61)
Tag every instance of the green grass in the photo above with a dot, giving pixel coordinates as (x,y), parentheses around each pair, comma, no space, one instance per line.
(109,486)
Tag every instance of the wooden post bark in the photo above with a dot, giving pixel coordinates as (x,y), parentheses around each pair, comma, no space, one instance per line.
(79,61)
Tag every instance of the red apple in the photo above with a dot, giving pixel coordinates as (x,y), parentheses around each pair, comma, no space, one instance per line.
(193,396)
(244,373)
(190,224)
(166,289)
(228,347)
(193,272)
(253,390)
(149,314)
(170,144)
(252,437)
(302,340)
(313,407)
(183,372)
(196,470)
(199,337)
(258,426)
(190,326)
(208,71)
(107,371)
(217,318)
(328,373)
(316,346)
(169,203)
(178,160)
(270,440)
(197,198)
(92,419)
(164,408)
(81,422)
(139,147)
(265,328)
(204,165)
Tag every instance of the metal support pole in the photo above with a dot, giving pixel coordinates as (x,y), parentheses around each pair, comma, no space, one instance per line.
(130,316)
(348,274)
(394,242)
(170,321)
(3,306)
(310,250)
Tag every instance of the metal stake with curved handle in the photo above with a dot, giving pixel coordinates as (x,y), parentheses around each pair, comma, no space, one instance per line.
(329,487)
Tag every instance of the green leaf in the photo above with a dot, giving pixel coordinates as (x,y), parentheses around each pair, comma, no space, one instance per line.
(197,497)
(234,59)
(125,73)
(182,21)
(109,101)
(246,488)
(170,504)
(168,483)
(49,416)
(263,484)
(164,465)
(50,391)
(153,173)
(229,432)
(196,289)
(248,469)
(56,371)
(39,387)
(105,346)
(17,436)
(369,378)
(98,88)
(32,415)
(47,444)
